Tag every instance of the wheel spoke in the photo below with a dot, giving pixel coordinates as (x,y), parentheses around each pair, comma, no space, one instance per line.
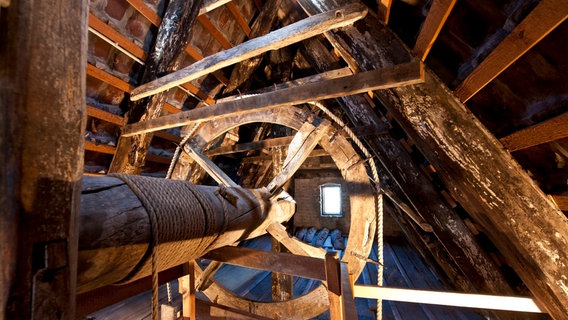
(302,144)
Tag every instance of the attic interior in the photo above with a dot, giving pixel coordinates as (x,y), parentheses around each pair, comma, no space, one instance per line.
(196,145)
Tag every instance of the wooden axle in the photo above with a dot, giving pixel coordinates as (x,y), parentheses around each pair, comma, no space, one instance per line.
(116,231)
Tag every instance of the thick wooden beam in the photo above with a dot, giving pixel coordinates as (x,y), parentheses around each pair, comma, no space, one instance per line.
(43,57)
(250,146)
(547,131)
(437,16)
(454,299)
(472,163)
(101,148)
(547,15)
(295,246)
(108,78)
(301,266)
(561,201)
(172,39)
(404,180)
(274,40)
(261,26)
(373,80)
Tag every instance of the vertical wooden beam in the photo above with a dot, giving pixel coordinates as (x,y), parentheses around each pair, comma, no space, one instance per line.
(333,278)
(547,15)
(437,16)
(187,290)
(172,39)
(282,284)
(42,125)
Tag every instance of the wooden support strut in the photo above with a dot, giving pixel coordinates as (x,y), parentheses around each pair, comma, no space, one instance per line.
(277,39)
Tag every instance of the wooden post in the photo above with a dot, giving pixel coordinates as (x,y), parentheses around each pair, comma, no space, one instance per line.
(42,116)
(187,290)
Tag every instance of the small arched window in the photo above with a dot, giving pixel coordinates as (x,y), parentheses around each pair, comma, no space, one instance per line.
(330,200)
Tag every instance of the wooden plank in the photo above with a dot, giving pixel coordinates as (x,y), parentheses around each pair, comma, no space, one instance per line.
(547,15)
(295,246)
(187,290)
(547,131)
(304,141)
(115,36)
(455,299)
(103,115)
(384,10)
(43,118)
(477,171)
(250,146)
(277,39)
(359,83)
(146,11)
(171,109)
(561,201)
(108,78)
(158,159)
(218,35)
(197,92)
(437,16)
(301,266)
(333,279)
(332,74)
(215,172)
(101,148)
(349,308)
(239,17)
(282,285)
(192,52)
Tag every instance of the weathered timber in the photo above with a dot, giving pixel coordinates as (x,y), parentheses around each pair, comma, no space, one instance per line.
(404,74)
(172,39)
(437,16)
(215,172)
(295,246)
(299,31)
(41,155)
(409,182)
(282,285)
(116,37)
(212,29)
(114,238)
(524,225)
(304,141)
(547,15)
(547,131)
(210,5)
(103,115)
(353,170)
(243,23)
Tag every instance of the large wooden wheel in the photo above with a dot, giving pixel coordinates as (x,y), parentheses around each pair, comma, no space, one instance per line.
(311,130)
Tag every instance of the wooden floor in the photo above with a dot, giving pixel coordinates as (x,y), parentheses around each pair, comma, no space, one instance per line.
(404,268)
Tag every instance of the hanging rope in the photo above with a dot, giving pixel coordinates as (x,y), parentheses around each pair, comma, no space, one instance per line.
(170,205)
(378,198)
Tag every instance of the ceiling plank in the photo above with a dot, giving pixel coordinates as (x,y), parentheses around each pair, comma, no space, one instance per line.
(477,171)
(547,131)
(277,39)
(384,10)
(547,15)
(146,11)
(404,74)
(115,36)
(250,146)
(211,28)
(437,16)
(243,23)
(103,115)
(108,78)
(210,5)
(101,148)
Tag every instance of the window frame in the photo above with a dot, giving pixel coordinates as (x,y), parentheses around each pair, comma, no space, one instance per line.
(323,213)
